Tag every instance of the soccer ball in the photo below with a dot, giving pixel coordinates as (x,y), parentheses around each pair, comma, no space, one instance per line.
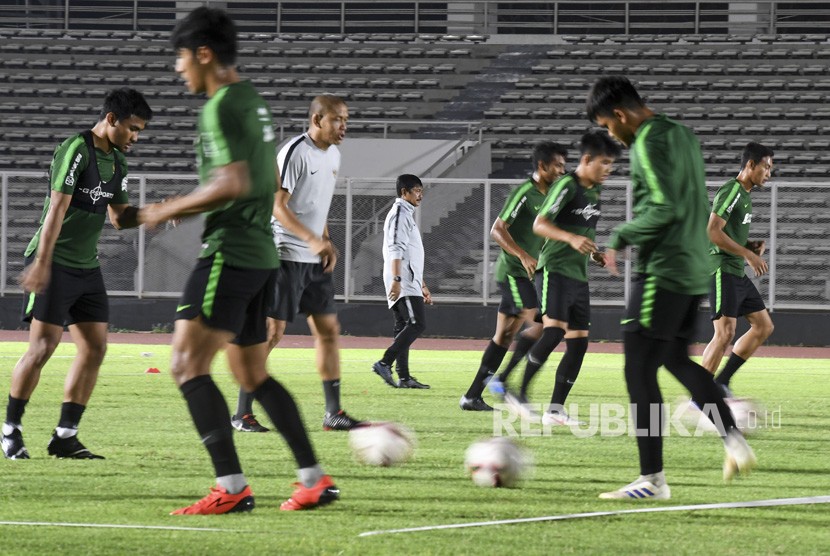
(382,444)
(496,462)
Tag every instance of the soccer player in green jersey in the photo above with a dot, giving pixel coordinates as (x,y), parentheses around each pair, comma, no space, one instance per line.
(732,293)
(515,267)
(62,278)
(224,302)
(669,228)
(567,221)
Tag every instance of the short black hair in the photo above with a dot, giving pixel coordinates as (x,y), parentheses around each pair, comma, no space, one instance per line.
(599,143)
(124,103)
(754,152)
(610,92)
(545,151)
(406,182)
(210,27)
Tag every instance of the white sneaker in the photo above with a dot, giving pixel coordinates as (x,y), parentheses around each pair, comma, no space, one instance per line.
(560,419)
(740,459)
(639,490)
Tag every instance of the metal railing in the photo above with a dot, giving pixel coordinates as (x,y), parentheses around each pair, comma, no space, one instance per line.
(457,215)
(393,17)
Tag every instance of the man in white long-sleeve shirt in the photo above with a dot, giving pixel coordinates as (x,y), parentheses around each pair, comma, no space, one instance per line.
(403,276)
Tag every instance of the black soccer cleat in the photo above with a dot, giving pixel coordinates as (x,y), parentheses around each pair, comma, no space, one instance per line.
(247,423)
(69,448)
(13,446)
(473,404)
(384,371)
(340,421)
(412,382)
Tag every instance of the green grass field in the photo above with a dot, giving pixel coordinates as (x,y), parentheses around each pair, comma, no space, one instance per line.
(155,464)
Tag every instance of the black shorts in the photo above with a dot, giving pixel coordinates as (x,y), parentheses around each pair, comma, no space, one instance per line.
(229,298)
(73,295)
(564,299)
(733,296)
(302,288)
(517,294)
(658,313)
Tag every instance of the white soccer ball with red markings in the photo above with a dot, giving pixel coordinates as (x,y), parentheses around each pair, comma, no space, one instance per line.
(382,444)
(497,462)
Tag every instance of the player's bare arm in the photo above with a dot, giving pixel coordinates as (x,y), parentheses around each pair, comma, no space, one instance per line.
(717,236)
(227,183)
(35,277)
(500,232)
(319,245)
(548,230)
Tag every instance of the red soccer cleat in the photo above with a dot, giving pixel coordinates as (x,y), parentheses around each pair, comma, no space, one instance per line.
(322,493)
(219,501)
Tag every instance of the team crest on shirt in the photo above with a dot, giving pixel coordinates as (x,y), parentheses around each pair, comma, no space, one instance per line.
(747,218)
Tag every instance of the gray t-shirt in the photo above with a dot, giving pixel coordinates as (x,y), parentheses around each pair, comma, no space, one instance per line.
(309,175)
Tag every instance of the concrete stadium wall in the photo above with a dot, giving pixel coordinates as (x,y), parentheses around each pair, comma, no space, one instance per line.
(449,321)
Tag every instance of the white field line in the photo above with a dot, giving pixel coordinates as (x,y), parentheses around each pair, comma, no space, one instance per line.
(693,507)
(113,526)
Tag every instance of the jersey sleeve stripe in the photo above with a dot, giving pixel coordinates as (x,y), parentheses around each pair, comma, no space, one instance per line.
(514,200)
(554,198)
(651,178)
(288,154)
(395,230)
(729,199)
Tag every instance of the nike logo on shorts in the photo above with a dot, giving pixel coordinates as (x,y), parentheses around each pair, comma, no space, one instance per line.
(183,307)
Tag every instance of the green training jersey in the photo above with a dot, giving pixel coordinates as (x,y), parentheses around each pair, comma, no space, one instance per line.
(234,126)
(575,209)
(671,207)
(519,212)
(733,204)
(92,190)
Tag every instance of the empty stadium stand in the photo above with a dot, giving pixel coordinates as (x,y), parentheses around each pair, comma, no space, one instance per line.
(729,88)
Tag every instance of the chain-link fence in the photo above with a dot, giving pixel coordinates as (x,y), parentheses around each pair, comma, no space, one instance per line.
(455,219)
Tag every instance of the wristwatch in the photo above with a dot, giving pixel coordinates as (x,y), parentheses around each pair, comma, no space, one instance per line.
(396,278)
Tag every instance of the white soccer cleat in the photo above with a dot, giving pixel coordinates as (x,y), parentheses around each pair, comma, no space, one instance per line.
(639,490)
(560,419)
(740,459)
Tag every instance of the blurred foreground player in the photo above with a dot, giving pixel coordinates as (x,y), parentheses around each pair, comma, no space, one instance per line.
(228,292)
(669,228)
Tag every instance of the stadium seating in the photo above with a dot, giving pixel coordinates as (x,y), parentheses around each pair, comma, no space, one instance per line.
(729,88)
